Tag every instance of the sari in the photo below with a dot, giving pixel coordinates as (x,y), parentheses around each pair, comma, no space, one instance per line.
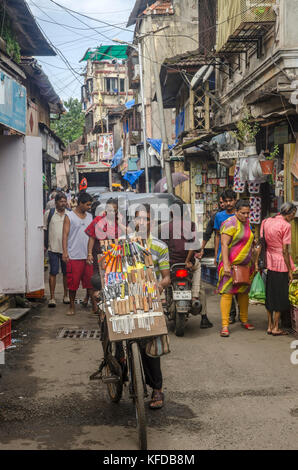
(240,253)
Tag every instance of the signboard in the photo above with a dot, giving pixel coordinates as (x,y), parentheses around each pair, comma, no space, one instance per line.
(232,155)
(105,147)
(90,167)
(13,103)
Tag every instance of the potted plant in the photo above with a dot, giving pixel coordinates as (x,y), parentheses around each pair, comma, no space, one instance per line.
(246,133)
(267,165)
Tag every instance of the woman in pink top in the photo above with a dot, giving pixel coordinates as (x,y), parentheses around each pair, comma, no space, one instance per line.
(278,236)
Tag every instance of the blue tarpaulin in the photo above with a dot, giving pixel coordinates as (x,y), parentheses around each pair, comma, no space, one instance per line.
(180,123)
(130,104)
(117,159)
(156,144)
(132,176)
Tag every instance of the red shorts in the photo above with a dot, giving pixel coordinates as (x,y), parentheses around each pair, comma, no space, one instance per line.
(77,271)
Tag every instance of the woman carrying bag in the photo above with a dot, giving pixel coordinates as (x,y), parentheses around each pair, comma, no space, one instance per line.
(236,267)
(278,236)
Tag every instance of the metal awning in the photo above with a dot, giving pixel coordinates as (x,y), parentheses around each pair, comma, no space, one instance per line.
(30,38)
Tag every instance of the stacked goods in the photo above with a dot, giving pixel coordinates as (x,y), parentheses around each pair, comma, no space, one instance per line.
(130,286)
(3,319)
(293,293)
(293,296)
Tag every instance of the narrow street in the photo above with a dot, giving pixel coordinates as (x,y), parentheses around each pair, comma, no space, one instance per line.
(235,393)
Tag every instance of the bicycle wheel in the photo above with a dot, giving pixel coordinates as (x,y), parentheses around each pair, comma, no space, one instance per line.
(138,384)
(113,378)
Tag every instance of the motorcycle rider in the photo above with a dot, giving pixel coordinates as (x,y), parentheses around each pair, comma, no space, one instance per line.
(179,254)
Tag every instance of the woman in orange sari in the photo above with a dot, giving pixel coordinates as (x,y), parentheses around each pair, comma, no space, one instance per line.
(237,248)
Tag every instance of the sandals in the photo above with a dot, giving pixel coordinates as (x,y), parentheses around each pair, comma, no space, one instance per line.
(157,400)
(248,326)
(281,333)
(225,333)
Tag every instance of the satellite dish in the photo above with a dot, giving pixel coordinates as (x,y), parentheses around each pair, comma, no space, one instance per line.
(208,73)
(203,74)
(198,76)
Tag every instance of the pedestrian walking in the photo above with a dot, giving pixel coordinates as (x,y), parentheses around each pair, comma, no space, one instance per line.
(75,252)
(229,198)
(278,236)
(210,227)
(53,225)
(237,250)
(51,202)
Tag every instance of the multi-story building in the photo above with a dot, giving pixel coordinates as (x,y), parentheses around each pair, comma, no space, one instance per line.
(27,144)
(104,94)
(257,49)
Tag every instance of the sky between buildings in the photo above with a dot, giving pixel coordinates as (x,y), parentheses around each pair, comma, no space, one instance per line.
(73,35)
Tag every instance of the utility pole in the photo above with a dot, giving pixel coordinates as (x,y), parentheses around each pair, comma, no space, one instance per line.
(165,144)
(143,116)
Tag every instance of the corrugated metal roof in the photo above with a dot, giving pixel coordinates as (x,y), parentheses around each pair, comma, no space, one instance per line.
(34,72)
(187,59)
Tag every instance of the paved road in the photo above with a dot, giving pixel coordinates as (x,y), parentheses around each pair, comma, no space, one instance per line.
(235,393)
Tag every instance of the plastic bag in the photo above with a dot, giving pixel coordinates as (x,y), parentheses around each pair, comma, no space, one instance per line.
(257,293)
(293,292)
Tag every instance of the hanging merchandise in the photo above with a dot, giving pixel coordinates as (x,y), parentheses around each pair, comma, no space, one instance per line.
(130,285)
(254,188)
(239,186)
(255,210)
(279,186)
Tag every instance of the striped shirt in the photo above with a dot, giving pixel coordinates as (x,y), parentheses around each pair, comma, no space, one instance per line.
(160,255)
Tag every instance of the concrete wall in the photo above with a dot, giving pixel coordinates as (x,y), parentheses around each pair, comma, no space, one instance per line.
(38,110)
(280,51)
(289,17)
(169,43)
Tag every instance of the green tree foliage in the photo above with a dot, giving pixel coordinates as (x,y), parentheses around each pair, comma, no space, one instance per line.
(70,126)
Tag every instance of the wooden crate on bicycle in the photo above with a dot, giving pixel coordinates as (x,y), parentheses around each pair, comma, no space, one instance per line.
(132,301)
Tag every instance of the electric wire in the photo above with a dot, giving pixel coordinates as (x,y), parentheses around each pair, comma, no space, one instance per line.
(61,55)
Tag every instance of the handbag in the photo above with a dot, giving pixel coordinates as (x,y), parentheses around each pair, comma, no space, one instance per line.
(158,346)
(262,263)
(241,275)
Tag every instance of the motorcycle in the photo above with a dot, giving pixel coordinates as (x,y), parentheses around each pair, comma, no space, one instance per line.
(179,298)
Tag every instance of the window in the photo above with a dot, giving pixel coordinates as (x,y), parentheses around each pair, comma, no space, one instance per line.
(112,85)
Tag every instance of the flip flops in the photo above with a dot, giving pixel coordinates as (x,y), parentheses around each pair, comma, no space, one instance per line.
(225,333)
(157,397)
(282,333)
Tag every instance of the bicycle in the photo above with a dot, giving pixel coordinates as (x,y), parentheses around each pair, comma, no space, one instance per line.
(122,363)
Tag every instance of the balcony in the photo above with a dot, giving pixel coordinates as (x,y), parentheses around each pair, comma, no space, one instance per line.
(242,24)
